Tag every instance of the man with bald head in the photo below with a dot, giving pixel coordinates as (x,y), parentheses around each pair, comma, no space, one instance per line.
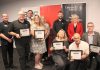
(6,43)
(84,47)
(20,29)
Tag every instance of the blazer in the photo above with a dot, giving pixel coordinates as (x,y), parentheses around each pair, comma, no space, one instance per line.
(79,29)
(96,38)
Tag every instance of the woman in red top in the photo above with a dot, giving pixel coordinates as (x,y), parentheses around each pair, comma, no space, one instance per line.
(74,27)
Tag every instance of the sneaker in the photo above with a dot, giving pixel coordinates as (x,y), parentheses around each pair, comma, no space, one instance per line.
(41,64)
(38,67)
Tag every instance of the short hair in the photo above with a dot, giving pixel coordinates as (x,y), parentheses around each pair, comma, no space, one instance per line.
(90,23)
(30,10)
(4,14)
(21,12)
(74,16)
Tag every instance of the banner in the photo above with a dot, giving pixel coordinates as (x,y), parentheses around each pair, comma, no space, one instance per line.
(77,8)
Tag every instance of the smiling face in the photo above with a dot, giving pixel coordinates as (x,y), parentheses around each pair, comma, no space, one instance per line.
(76,38)
(4,17)
(30,13)
(60,15)
(36,19)
(61,34)
(21,15)
(90,27)
(74,18)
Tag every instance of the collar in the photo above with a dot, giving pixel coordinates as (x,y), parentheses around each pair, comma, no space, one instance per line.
(20,22)
(5,22)
(91,34)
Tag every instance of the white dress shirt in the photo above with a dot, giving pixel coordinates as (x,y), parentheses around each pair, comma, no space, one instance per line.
(84,46)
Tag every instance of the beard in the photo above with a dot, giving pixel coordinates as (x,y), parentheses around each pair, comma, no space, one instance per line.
(60,17)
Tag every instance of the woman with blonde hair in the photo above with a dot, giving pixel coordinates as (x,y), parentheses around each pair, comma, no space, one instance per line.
(60,55)
(74,27)
(38,46)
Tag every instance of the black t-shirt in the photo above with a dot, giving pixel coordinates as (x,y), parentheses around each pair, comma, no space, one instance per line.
(16,26)
(4,30)
(58,25)
(60,52)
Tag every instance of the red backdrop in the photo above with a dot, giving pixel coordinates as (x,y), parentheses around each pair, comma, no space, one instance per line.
(50,13)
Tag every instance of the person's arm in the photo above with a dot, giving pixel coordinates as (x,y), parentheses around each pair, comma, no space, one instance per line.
(98,39)
(2,35)
(6,38)
(66,45)
(52,48)
(86,52)
(11,31)
(48,30)
(14,34)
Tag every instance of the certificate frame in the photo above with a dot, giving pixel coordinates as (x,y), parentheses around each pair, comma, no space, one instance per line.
(73,53)
(94,48)
(39,37)
(58,45)
(23,32)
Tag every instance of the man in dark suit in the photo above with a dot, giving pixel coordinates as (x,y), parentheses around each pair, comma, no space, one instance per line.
(92,37)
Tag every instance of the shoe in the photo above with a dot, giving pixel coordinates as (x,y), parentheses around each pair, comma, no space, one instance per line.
(41,64)
(38,67)
(13,67)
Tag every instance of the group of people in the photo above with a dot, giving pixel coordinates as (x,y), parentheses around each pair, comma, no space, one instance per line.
(21,32)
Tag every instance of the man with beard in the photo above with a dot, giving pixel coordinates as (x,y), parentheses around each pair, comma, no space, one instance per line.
(60,23)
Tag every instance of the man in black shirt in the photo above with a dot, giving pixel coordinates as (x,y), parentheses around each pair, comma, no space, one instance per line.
(6,43)
(20,29)
(60,23)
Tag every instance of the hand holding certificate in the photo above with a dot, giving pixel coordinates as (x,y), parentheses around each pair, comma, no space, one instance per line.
(95,49)
(24,32)
(75,54)
(58,45)
(39,34)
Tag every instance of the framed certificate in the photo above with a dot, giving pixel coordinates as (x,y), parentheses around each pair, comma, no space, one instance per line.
(95,49)
(39,34)
(58,45)
(75,54)
(24,32)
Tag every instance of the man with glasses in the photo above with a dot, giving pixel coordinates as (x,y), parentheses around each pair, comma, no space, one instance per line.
(93,38)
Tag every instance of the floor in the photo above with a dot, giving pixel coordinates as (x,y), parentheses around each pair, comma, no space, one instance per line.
(31,63)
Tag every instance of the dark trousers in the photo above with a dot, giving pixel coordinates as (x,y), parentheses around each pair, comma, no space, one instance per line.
(78,65)
(94,57)
(23,52)
(60,61)
(7,54)
(45,55)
